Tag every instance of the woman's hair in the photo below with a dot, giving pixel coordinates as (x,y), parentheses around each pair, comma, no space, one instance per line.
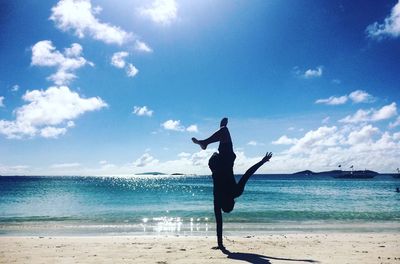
(227,205)
(213,162)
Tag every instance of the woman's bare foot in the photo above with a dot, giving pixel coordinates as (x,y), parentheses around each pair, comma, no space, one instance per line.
(199,142)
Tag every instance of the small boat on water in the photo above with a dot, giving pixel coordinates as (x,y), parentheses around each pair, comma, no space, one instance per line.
(365,174)
(355,174)
(397,175)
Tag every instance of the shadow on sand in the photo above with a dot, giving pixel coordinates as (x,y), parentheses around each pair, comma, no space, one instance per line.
(259,259)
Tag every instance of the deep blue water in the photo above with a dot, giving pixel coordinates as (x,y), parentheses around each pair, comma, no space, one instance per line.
(184,205)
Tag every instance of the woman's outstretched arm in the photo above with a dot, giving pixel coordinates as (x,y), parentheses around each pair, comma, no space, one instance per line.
(250,172)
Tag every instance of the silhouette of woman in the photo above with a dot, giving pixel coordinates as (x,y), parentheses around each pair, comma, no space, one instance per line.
(221,164)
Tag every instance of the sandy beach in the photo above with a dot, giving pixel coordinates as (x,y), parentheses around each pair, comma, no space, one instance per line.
(291,248)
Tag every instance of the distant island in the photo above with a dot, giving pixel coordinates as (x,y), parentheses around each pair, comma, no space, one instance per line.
(151,173)
(331,172)
(339,173)
(159,173)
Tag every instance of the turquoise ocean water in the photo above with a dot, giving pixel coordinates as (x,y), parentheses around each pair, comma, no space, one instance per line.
(184,205)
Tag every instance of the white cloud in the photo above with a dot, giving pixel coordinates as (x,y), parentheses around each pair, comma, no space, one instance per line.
(70,123)
(192,128)
(142,111)
(386,112)
(145,160)
(184,155)
(176,125)
(325,120)
(79,16)
(52,132)
(390,27)
(173,125)
(396,123)
(131,70)
(322,137)
(313,73)
(15,88)
(48,113)
(1,101)
(161,11)
(360,96)
(372,115)
(284,140)
(359,116)
(118,59)
(65,165)
(363,135)
(252,143)
(143,47)
(255,143)
(45,54)
(333,100)
(366,147)
(14,170)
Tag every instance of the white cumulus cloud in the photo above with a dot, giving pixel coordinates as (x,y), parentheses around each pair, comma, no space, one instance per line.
(313,73)
(142,111)
(372,115)
(285,140)
(161,11)
(322,137)
(79,17)
(45,54)
(363,135)
(52,132)
(365,147)
(333,100)
(15,88)
(145,160)
(255,143)
(131,70)
(48,113)
(192,128)
(389,28)
(396,123)
(173,125)
(142,46)
(358,96)
(118,59)
(65,165)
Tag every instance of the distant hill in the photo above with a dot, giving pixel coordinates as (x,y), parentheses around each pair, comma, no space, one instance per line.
(331,172)
(304,172)
(151,173)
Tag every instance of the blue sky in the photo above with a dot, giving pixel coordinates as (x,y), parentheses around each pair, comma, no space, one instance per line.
(115,88)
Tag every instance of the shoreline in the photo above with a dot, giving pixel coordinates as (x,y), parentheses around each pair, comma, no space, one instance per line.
(288,248)
(193,229)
